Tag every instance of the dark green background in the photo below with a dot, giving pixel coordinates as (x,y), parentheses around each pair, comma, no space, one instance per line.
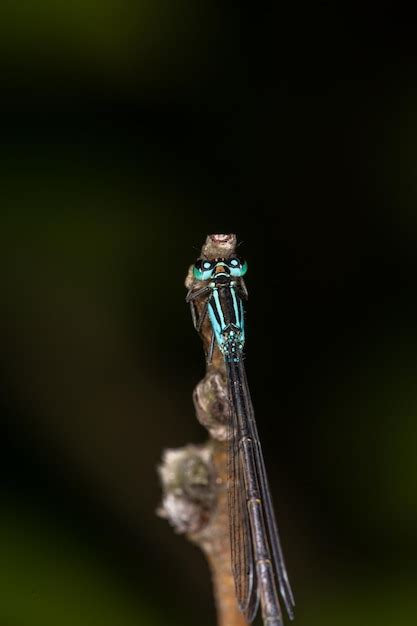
(131,130)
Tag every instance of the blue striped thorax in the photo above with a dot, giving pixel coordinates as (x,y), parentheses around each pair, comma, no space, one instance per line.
(225,306)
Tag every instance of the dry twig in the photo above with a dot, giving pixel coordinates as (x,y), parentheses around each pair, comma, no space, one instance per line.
(194,478)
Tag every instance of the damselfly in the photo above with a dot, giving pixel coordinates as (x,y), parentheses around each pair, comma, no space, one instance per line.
(216,298)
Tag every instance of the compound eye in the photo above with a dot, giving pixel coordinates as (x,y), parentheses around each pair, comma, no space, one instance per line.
(202,269)
(237,266)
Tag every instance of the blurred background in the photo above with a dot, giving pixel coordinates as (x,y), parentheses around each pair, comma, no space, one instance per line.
(131,130)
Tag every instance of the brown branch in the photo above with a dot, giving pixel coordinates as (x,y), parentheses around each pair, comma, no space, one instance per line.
(194,478)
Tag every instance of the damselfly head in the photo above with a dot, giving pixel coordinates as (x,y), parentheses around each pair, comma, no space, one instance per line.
(206,269)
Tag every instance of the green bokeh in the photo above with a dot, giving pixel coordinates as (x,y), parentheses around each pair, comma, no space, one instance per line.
(48,578)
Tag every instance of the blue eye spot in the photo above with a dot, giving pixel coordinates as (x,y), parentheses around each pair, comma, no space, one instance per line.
(234,262)
(206,265)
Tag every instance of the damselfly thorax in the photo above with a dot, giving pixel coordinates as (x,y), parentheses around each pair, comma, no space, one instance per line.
(223,288)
